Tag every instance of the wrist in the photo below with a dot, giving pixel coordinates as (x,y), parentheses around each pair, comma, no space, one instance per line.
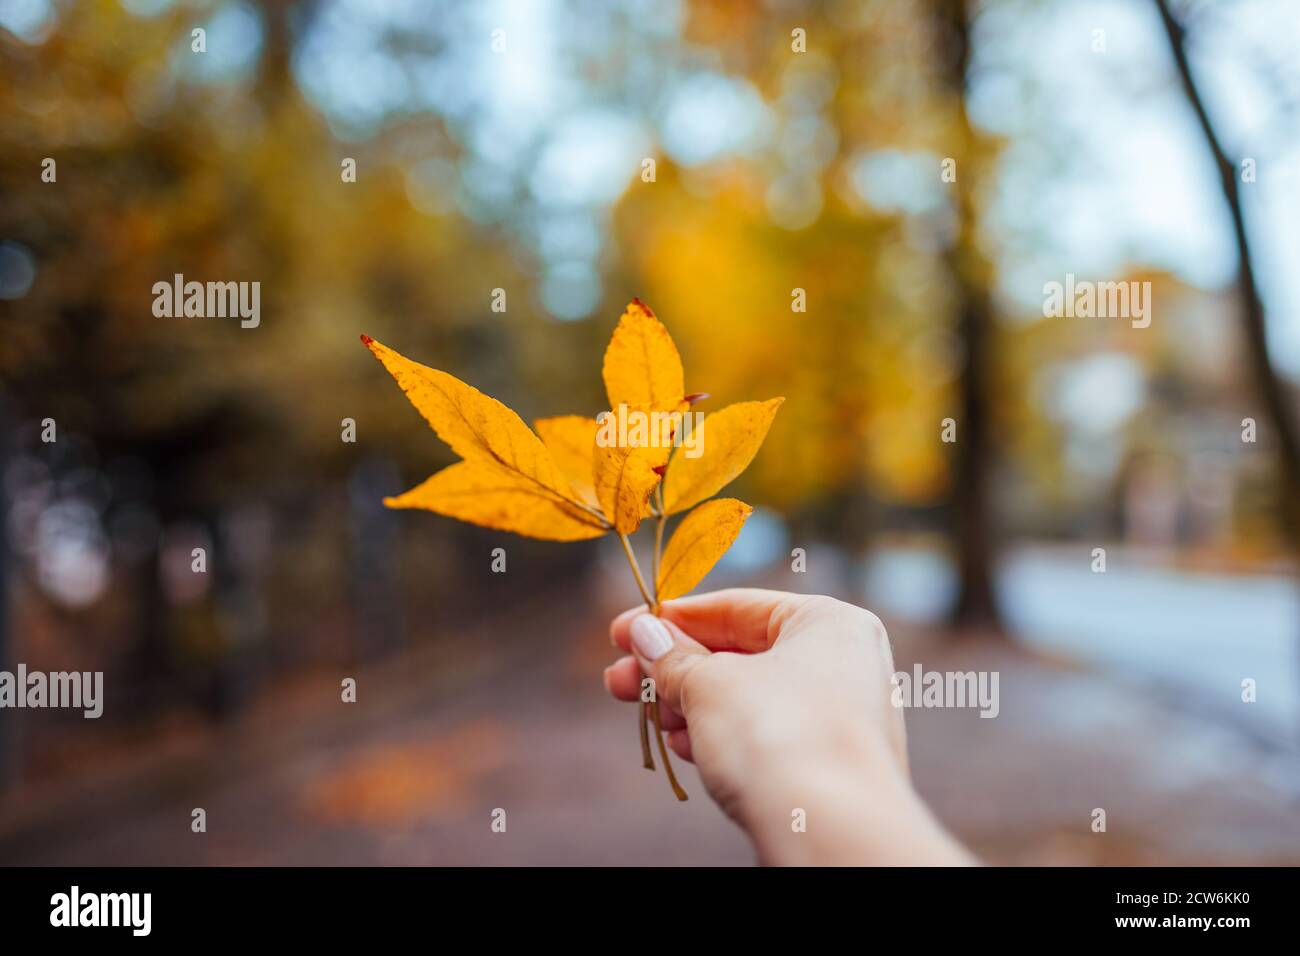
(858,809)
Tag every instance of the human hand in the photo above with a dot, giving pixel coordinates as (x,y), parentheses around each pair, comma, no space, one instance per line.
(783,703)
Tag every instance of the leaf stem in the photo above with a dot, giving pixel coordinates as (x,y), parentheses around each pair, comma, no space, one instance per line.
(663,753)
(595,513)
(651,707)
(660,520)
(643,722)
(636,570)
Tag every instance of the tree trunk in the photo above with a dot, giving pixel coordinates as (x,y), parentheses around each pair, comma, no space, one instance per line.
(1273,393)
(976,606)
(8,743)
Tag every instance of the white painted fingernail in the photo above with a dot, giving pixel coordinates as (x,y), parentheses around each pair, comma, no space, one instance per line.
(650,637)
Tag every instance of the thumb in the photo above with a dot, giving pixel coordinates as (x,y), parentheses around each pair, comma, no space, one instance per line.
(666,655)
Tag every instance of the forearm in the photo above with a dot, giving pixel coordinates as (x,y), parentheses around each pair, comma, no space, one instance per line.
(852,815)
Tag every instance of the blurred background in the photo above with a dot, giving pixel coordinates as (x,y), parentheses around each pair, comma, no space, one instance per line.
(503,146)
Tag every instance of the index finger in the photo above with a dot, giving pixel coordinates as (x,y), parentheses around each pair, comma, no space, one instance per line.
(735,619)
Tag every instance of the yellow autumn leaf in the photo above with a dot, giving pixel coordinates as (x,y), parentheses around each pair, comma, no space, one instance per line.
(476,426)
(625,479)
(487,494)
(731,438)
(699,541)
(631,452)
(625,475)
(642,367)
(569,439)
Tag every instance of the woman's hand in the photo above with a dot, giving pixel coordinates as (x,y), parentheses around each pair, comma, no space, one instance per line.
(783,702)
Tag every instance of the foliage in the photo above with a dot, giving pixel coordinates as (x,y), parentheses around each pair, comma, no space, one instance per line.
(573,482)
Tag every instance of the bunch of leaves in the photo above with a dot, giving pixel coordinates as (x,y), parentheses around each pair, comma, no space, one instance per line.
(564,483)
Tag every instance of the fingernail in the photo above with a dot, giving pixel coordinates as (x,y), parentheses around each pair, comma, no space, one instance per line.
(650,638)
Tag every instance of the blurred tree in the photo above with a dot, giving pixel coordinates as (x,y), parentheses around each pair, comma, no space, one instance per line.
(6,726)
(166,167)
(972,521)
(1278,404)
(786,279)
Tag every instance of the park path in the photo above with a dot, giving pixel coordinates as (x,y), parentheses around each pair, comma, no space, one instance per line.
(442,737)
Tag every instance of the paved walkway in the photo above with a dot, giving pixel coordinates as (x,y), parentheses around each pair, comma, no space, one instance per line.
(413,772)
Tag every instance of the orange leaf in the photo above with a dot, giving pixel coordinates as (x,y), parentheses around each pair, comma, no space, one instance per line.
(625,471)
(729,441)
(570,440)
(476,426)
(642,367)
(487,494)
(629,460)
(699,541)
